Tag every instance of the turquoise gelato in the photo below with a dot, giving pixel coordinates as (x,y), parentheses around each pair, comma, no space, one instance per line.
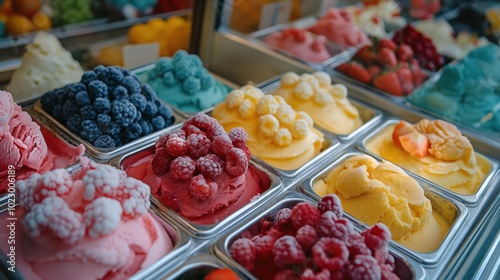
(182,82)
(466,92)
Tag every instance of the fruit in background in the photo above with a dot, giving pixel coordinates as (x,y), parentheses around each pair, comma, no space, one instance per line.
(19,24)
(26,7)
(222,274)
(388,82)
(23,16)
(163,6)
(424,9)
(41,21)
(70,11)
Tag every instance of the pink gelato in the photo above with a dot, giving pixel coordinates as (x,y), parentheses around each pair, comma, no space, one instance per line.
(93,224)
(338,26)
(300,43)
(200,171)
(26,146)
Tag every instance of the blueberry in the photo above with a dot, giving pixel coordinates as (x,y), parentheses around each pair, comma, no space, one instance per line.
(148,92)
(87,112)
(104,141)
(74,123)
(90,131)
(150,111)
(131,85)
(70,108)
(82,98)
(123,112)
(88,77)
(139,101)
(97,89)
(120,92)
(102,105)
(158,123)
(132,132)
(146,126)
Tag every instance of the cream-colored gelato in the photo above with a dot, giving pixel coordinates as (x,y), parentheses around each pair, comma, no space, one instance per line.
(451,161)
(46,65)
(382,192)
(327,104)
(277,134)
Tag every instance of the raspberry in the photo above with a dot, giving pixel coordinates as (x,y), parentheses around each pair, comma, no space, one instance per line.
(235,98)
(310,79)
(243,251)
(384,258)
(309,274)
(263,246)
(246,109)
(236,162)
(221,145)
(286,274)
(322,98)
(267,105)
(274,233)
(176,146)
(191,129)
(323,78)
(332,203)
(304,214)
(330,253)
(265,226)
(301,115)
(326,225)
(306,236)
(162,142)
(364,267)
(161,162)
(287,251)
(289,79)
(387,274)
(201,189)
(303,91)
(203,122)
(357,248)
(377,236)
(198,145)
(280,100)
(283,137)
(238,137)
(299,129)
(339,91)
(182,168)
(210,165)
(283,220)
(171,200)
(268,125)
(285,114)
(252,93)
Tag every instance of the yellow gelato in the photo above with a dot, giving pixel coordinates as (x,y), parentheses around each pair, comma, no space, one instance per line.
(327,104)
(382,192)
(277,134)
(450,163)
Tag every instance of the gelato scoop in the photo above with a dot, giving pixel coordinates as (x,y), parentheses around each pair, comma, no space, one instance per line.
(92,224)
(435,150)
(338,26)
(382,192)
(27,147)
(327,104)
(183,82)
(46,65)
(300,44)
(277,134)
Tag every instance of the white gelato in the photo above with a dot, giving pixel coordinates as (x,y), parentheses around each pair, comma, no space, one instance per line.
(46,65)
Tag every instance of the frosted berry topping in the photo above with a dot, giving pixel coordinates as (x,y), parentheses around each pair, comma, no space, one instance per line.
(91,203)
(309,246)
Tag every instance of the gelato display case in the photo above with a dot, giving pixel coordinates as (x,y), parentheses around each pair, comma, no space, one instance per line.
(259,139)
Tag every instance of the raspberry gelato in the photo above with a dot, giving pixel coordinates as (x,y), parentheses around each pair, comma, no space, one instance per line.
(46,65)
(183,82)
(28,147)
(92,224)
(277,134)
(300,44)
(382,192)
(338,26)
(327,104)
(200,171)
(310,242)
(435,150)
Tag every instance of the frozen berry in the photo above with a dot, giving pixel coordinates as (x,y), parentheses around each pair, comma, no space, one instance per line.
(264,246)
(330,253)
(203,122)
(332,203)
(243,251)
(182,168)
(236,162)
(283,220)
(286,274)
(309,274)
(356,245)
(287,251)
(304,214)
(176,146)
(201,189)
(198,145)
(377,236)
(171,200)
(247,152)
(221,145)
(238,137)
(326,224)
(191,129)
(210,165)
(307,237)
(364,267)
(161,162)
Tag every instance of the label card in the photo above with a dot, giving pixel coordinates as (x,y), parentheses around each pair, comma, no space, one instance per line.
(138,55)
(275,13)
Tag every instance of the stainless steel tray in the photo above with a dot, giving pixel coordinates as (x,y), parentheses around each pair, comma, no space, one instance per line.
(230,85)
(369,115)
(467,199)
(452,210)
(99,154)
(406,268)
(208,231)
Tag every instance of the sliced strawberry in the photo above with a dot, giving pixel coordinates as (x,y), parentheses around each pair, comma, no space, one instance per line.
(222,274)
(402,128)
(404,53)
(358,72)
(386,43)
(342,68)
(386,57)
(388,82)
(406,79)
(415,143)
(374,70)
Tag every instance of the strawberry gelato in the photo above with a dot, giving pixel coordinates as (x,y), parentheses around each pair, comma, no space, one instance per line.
(27,146)
(200,171)
(300,43)
(338,26)
(92,224)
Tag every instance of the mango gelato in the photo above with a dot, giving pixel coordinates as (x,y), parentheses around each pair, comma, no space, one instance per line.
(382,192)
(449,159)
(327,104)
(277,134)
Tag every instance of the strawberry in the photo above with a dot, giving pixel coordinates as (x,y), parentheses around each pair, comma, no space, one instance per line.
(358,72)
(342,68)
(387,57)
(406,79)
(388,82)
(374,70)
(402,128)
(365,55)
(386,43)
(222,274)
(415,143)
(404,53)
(418,75)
